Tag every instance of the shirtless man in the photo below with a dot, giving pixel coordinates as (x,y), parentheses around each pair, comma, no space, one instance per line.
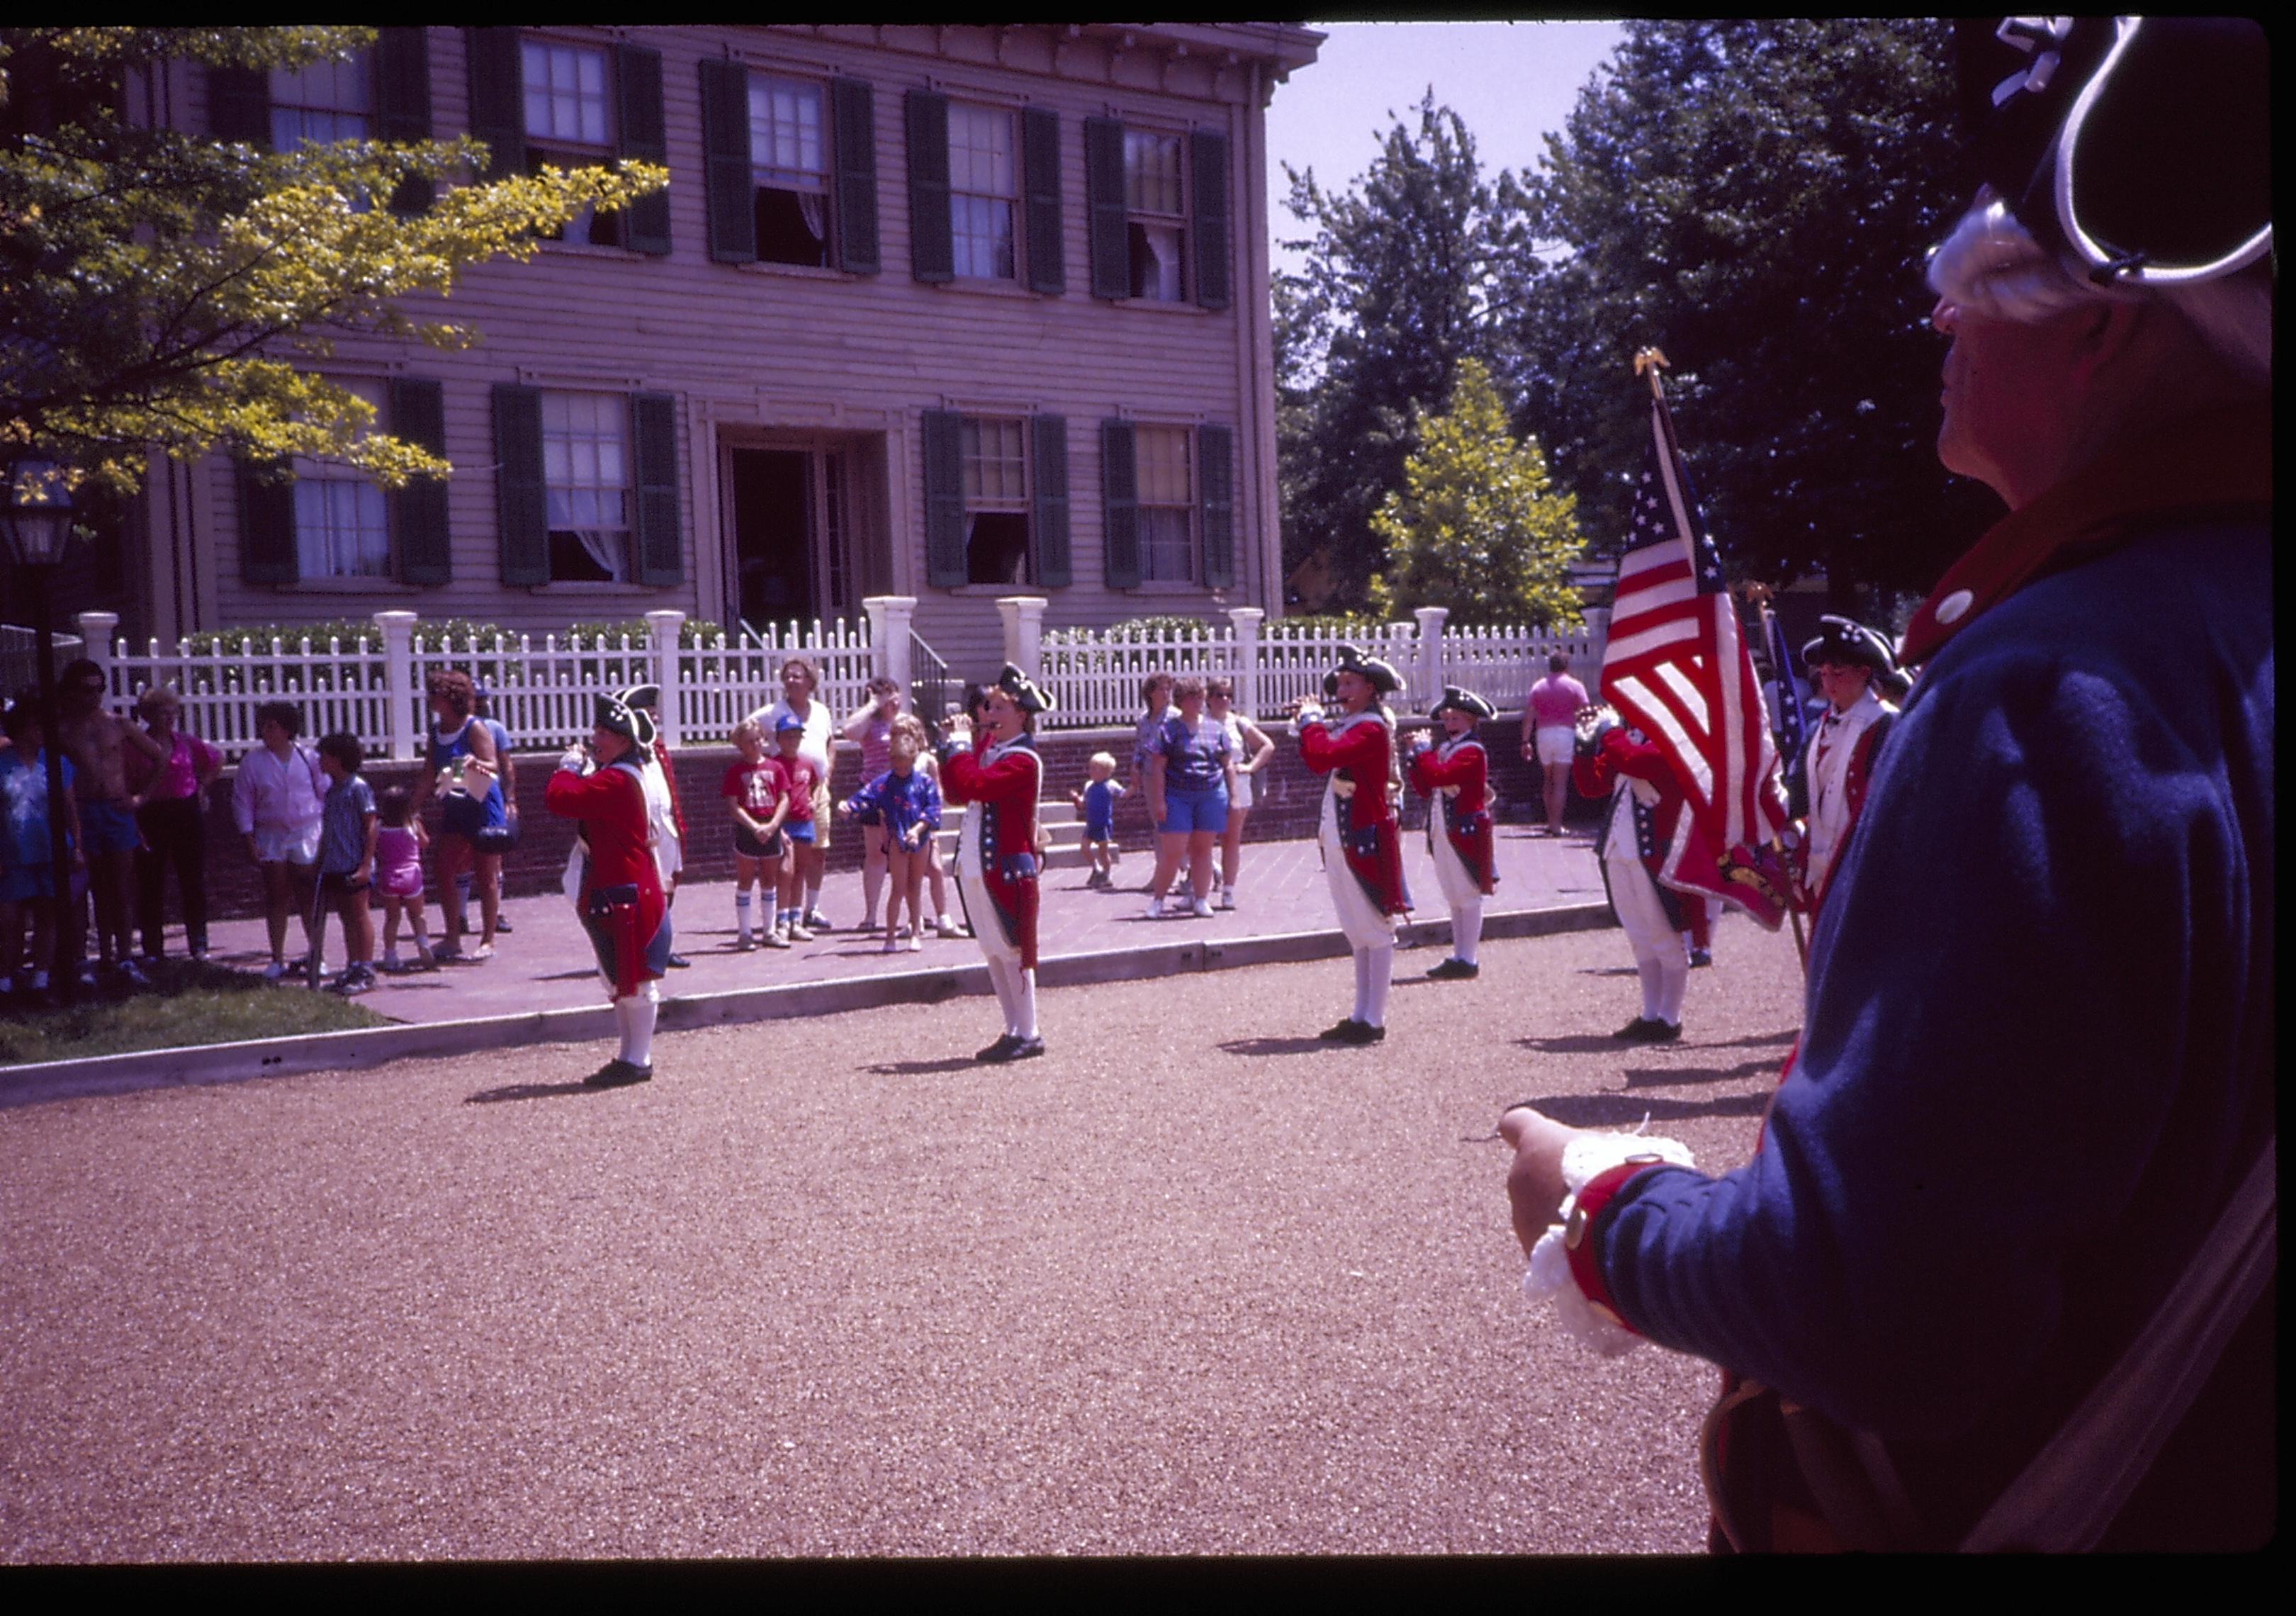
(94,739)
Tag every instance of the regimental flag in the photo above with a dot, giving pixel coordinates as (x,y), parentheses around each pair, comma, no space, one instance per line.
(1792,703)
(1675,668)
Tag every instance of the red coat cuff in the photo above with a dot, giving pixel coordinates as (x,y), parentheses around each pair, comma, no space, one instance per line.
(1578,1242)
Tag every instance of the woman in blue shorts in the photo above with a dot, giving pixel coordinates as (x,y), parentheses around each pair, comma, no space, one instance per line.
(1190,772)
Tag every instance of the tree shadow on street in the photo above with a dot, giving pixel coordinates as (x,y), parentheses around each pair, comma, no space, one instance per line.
(1626,1110)
(530,1091)
(1260,1046)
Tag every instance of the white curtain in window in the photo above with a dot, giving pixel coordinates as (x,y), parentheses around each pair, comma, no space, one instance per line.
(606,549)
(815,216)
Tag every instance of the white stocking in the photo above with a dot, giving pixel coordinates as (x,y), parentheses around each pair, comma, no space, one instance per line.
(1673,978)
(1467,931)
(1007,998)
(636,1015)
(1024,998)
(1653,975)
(1378,968)
(1362,1012)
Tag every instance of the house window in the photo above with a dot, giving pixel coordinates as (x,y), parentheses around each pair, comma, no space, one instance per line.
(996,499)
(789,153)
(1155,217)
(323,102)
(342,521)
(585,467)
(982,191)
(570,124)
(1167,505)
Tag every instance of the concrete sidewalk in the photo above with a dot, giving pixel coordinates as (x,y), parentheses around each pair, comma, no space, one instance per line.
(546,963)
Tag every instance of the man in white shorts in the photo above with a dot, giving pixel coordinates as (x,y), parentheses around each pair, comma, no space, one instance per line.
(1548,713)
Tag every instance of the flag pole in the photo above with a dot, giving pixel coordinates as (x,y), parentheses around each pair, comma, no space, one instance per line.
(1778,844)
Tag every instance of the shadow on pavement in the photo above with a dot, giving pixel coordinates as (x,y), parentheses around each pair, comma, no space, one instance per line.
(1625,1111)
(530,1091)
(1576,1042)
(919,1069)
(1258,1046)
(1661,1077)
(1608,971)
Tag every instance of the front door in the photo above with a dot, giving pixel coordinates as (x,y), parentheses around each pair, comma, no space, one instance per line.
(789,560)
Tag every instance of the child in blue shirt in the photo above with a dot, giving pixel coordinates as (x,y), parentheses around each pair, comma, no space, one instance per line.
(906,802)
(1097,803)
(28,868)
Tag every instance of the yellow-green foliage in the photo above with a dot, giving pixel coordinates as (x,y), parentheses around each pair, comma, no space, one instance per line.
(1476,527)
(163,291)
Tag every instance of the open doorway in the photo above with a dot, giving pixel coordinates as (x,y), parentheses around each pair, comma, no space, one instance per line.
(774,534)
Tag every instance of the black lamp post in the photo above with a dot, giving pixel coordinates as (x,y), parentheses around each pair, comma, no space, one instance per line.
(38,519)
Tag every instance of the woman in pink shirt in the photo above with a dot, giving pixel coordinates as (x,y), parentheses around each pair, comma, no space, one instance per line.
(170,800)
(1554,701)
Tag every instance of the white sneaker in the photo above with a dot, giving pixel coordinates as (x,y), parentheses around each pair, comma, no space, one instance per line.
(1200,907)
(1227,898)
(946,926)
(892,944)
(799,934)
(777,938)
(917,943)
(1155,908)
(273,972)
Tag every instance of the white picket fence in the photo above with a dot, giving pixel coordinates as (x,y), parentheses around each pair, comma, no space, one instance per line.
(542,687)
(1094,677)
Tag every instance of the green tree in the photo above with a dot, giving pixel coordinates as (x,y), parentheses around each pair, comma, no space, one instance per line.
(1477,527)
(1392,299)
(162,290)
(1754,198)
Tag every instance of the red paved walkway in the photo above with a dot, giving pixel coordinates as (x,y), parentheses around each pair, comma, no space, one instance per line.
(545,964)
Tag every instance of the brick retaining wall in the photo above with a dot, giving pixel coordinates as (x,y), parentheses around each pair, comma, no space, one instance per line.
(1290,796)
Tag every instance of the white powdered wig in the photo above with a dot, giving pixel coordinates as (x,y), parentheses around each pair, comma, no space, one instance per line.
(1992,265)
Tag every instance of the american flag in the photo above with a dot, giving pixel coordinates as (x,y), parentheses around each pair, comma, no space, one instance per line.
(1676,668)
(1792,703)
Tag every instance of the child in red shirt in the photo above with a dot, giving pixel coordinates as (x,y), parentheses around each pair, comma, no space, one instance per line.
(757,789)
(788,733)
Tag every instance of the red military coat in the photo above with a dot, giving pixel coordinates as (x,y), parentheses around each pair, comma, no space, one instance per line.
(999,859)
(1461,770)
(1618,757)
(1358,749)
(611,803)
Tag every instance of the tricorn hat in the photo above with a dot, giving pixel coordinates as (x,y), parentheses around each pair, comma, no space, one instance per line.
(615,716)
(1384,678)
(1023,690)
(1456,700)
(2142,144)
(638,699)
(1842,641)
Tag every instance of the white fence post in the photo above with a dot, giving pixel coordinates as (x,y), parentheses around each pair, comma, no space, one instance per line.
(1024,631)
(892,618)
(1246,620)
(1431,620)
(96,631)
(399,680)
(661,632)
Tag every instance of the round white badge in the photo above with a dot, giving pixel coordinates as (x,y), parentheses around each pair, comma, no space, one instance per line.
(1954,606)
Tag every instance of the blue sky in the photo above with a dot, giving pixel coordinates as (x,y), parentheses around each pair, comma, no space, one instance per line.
(1512,82)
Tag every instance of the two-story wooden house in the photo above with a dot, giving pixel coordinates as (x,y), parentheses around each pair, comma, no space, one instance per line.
(952,312)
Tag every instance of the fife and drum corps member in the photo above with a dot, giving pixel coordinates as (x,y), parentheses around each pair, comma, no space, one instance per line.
(1360,840)
(1455,775)
(997,863)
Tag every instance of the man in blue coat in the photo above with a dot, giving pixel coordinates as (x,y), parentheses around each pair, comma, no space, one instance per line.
(2005,1259)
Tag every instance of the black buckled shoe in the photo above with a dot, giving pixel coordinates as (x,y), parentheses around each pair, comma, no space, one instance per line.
(1663,1032)
(1699,958)
(1001,1051)
(1026,1049)
(1636,1032)
(617,1073)
(1454,969)
(1344,1032)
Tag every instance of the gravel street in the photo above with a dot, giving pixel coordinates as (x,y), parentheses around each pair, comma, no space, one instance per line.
(1194,1284)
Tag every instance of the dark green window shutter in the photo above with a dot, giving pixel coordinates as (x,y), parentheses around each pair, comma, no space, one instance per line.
(1040,169)
(1215,491)
(402,104)
(1103,193)
(943,435)
(1119,499)
(725,137)
(853,116)
(522,500)
(498,98)
(661,549)
(932,253)
(1048,498)
(1208,152)
(637,81)
(418,512)
(266,523)
(239,105)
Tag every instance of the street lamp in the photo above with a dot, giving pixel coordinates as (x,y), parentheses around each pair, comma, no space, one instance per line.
(37,519)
